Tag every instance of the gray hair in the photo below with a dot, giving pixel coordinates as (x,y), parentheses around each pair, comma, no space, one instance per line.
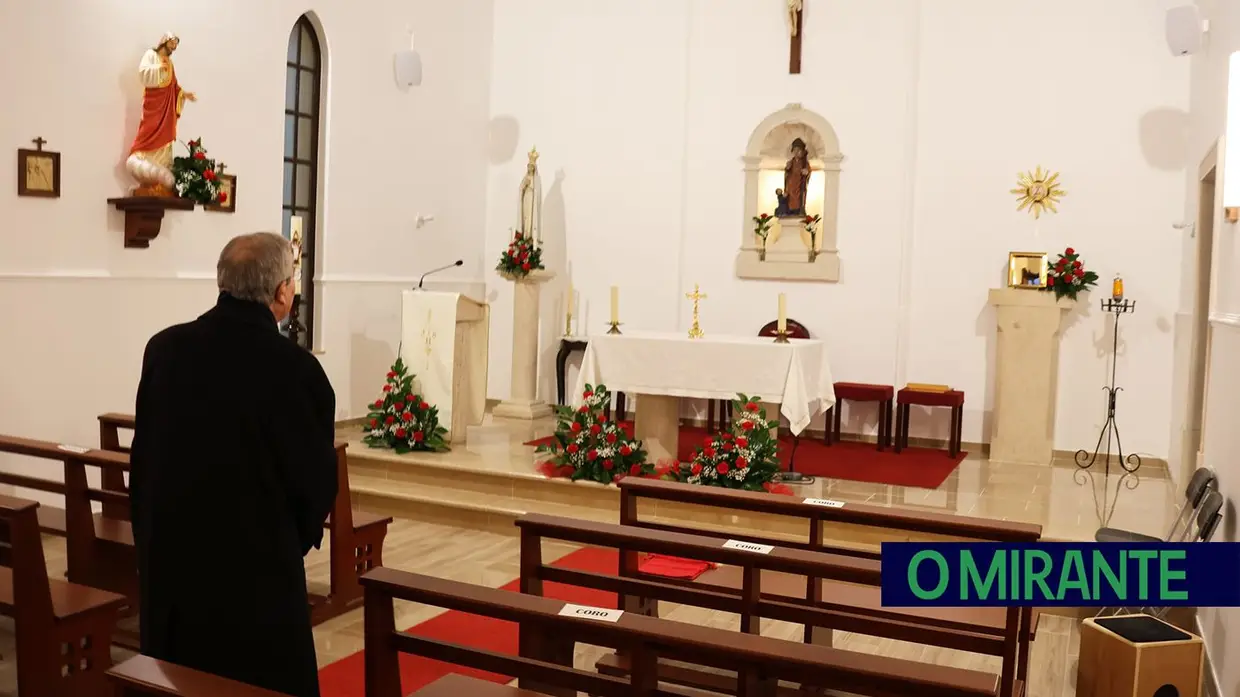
(253,266)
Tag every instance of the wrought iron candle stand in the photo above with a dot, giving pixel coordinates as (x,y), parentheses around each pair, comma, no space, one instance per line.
(1110,429)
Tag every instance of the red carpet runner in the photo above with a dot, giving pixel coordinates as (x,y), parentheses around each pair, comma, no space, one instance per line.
(854,461)
(346,677)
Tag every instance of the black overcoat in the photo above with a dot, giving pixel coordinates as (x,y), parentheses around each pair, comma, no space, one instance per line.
(233,474)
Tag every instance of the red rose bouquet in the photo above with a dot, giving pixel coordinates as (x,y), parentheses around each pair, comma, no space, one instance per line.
(745,457)
(1068,276)
(588,446)
(401,420)
(195,177)
(521,257)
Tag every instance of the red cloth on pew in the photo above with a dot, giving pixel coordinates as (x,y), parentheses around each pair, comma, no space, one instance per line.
(674,567)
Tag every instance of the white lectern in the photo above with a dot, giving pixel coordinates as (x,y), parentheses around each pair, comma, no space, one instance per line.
(444,343)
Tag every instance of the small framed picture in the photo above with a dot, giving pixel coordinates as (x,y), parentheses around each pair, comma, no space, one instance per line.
(228,195)
(1027,270)
(38,173)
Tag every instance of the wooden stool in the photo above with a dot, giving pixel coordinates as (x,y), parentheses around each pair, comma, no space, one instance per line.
(952,398)
(1138,656)
(860,392)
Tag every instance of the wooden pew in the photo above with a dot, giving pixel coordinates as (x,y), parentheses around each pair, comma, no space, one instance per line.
(356,537)
(142,675)
(100,549)
(63,630)
(548,639)
(827,601)
(814,517)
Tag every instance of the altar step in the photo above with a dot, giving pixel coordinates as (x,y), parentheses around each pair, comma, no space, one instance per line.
(474,491)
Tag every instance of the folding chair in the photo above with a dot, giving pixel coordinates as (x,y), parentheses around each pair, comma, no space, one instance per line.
(1209,514)
(1202,481)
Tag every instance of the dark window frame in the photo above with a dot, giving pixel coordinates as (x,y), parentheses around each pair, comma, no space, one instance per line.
(311,65)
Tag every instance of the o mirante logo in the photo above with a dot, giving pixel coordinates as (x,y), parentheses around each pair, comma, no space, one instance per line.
(1066,574)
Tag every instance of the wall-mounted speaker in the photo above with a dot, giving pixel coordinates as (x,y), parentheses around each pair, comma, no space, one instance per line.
(1185,30)
(408,68)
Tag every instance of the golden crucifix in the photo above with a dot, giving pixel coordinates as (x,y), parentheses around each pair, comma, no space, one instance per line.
(695,332)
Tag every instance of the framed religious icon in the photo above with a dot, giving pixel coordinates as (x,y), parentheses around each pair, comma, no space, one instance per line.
(38,172)
(1027,270)
(227,202)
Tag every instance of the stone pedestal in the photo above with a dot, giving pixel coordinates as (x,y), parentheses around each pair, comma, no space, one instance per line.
(1026,374)
(523,402)
(657,425)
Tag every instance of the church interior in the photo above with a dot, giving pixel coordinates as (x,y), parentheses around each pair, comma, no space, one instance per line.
(804,275)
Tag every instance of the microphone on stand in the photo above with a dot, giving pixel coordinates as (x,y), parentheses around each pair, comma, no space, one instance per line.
(456,263)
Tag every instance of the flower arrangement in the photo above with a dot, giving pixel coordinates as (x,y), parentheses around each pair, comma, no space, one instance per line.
(588,446)
(1068,276)
(521,257)
(745,457)
(811,226)
(762,226)
(401,420)
(195,176)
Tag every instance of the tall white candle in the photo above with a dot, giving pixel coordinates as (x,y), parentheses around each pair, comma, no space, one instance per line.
(615,304)
(783,313)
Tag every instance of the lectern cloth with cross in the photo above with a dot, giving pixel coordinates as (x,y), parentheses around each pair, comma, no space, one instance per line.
(444,342)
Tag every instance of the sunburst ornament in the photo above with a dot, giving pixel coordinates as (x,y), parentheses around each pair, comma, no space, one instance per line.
(1038,191)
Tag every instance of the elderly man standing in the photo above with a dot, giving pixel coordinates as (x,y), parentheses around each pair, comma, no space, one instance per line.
(234,473)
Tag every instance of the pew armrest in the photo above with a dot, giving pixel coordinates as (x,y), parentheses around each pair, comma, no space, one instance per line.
(146,675)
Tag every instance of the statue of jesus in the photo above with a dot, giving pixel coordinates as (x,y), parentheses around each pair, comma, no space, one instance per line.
(796,179)
(794,10)
(151,154)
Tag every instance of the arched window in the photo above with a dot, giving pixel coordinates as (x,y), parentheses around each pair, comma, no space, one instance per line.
(302,89)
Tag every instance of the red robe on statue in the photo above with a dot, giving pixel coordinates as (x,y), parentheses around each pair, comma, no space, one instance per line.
(160,111)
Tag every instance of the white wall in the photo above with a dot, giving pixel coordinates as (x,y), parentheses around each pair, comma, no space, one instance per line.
(1208,108)
(642,109)
(76,307)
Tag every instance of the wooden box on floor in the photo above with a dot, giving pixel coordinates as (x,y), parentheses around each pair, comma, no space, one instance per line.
(1138,656)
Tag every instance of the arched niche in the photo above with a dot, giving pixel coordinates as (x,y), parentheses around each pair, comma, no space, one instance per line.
(787,251)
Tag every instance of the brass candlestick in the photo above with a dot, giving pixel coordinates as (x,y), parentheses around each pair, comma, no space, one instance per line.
(615,328)
(695,331)
(781,337)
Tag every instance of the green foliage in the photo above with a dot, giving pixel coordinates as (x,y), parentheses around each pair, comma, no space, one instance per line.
(521,257)
(588,446)
(401,420)
(195,177)
(1067,276)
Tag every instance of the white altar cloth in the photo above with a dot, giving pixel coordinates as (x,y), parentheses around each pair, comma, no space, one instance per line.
(794,375)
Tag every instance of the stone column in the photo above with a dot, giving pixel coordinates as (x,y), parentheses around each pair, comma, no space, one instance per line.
(523,402)
(1026,374)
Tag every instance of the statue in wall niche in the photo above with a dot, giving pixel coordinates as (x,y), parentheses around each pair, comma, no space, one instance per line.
(150,157)
(796,180)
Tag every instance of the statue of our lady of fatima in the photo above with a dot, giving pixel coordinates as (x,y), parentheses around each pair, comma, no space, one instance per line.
(530,223)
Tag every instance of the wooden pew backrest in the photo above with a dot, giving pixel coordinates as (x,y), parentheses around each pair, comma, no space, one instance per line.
(548,637)
(635,489)
(143,675)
